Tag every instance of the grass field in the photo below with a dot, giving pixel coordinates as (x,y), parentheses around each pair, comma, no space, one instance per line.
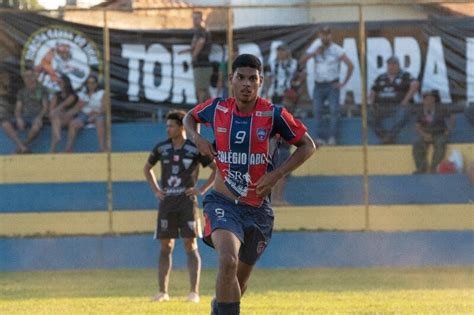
(277,291)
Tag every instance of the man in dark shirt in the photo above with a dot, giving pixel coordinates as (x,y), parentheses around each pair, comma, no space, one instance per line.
(201,45)
(178,213)
(434,125)
(390,99)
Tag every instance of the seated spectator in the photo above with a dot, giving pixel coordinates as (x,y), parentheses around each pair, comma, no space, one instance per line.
(434,125)
(92,111)
(390,99)
(6,107)
(63,108)
(30,109)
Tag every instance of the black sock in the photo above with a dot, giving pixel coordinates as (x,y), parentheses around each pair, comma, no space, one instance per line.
(232,308)
(214,310)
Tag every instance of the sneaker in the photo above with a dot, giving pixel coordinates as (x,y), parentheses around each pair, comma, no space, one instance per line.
(193,297)
(332,141)
(161,297)
(214,310)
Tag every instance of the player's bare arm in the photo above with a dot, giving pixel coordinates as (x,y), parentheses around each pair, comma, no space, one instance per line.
(203,145)
(305,148)
(205,187)
(151,179)
(19,118)
(414,86)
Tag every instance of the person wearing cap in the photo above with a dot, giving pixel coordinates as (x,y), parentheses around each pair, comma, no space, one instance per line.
(389,99)
(201,45)
(433,126)
(327,57)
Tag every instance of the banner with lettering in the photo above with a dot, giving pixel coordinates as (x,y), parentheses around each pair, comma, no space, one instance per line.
(146,70)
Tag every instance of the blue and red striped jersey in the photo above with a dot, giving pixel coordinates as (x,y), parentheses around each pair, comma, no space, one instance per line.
(243,141)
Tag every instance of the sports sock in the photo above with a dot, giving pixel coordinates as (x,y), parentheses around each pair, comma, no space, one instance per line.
(214,310)
(232,308)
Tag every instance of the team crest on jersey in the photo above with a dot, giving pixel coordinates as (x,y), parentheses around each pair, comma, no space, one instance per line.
(261,134)
(174,181)
(176,158)
(57,50)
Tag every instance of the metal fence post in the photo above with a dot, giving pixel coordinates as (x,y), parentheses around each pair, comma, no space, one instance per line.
(363,74)
(108,121)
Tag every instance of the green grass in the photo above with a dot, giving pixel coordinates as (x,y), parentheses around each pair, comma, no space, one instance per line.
(277,291)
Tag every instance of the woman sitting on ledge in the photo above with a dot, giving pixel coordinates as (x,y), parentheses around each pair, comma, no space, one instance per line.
(92,112)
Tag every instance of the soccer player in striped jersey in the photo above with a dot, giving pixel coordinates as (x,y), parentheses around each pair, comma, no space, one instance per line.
(178,213)
(237,212)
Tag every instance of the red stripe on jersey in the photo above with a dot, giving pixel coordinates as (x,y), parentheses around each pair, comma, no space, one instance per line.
(222,126)
(207,226)
(262,124)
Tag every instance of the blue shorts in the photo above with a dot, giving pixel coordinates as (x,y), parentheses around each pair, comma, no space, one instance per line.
(253,226)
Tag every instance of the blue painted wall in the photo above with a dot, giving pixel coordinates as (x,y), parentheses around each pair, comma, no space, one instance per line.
(323,190)
(286,250)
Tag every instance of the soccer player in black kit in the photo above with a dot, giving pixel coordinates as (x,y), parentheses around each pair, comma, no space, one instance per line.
(178,212)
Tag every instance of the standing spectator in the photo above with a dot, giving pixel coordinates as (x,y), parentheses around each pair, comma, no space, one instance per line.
(327,60)
(390,99)
(30,109)
(282,73)
(178,213)
(62,109)
(223,76)
(433,126)
(201,45)
(239,219)
(92,111)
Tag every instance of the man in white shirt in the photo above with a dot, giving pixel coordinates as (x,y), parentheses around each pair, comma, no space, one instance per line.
(327,59)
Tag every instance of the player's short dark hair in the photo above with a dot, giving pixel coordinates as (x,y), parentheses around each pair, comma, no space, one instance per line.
(247,60)
(176,115)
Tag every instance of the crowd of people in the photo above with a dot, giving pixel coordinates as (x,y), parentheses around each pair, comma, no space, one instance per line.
(66,108)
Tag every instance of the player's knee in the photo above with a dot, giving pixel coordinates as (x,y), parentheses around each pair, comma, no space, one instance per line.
(166,248)
(190,245)
(228,264)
